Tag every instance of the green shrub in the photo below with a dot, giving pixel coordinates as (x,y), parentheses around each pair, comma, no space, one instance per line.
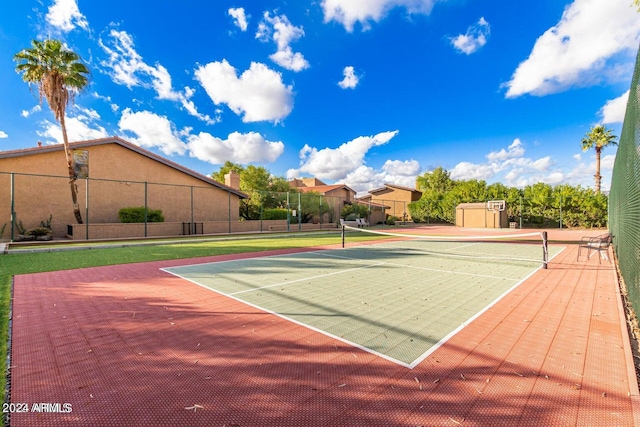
(275,213)
(129,215)
(391,220)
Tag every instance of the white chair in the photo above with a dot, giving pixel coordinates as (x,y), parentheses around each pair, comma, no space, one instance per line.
(362,222)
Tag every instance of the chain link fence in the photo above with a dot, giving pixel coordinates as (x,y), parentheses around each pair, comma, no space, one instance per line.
(624,205)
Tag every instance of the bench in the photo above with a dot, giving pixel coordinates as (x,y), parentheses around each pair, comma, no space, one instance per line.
(349,223)
(599,244)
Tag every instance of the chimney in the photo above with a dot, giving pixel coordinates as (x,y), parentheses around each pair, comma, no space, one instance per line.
(232,179)
(39,144)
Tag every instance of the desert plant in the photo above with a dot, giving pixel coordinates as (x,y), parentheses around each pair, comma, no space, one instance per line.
(47,223)
(38,231)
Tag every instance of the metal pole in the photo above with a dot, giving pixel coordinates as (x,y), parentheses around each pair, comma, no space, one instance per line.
(229,204)
(561,211)
(545,250)
(299,213)
(193,224)
(13,213)
(145,209)
(288,212)
(86,210)
(343,236)
(520,212)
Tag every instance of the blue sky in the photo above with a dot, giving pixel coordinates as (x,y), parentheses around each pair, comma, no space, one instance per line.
(360,92)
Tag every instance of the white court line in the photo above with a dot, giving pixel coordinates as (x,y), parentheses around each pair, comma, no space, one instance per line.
(411,365)
(421,268)
(446,338)
(306,278)
(297,322)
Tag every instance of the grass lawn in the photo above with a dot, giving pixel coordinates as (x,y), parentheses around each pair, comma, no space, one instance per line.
(23,263)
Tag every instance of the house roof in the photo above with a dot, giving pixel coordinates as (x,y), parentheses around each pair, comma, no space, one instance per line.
(394,187)
(128,145)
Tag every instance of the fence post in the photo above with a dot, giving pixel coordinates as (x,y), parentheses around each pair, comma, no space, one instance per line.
(86,210)
(561,211)
(145,209)
(520,212)
(13,213)
(299,213)
(193,224)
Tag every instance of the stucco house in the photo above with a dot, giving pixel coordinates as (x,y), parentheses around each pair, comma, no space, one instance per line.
(336,196)
(395,197)
(34,185)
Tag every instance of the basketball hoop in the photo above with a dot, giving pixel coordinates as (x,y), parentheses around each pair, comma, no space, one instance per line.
(496,205)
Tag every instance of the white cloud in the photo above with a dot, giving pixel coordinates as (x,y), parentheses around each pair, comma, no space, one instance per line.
(239,17)
(128,68)
(514,150)
(468,170)
(27,113)
(515,169)
(337,163)
(114,107)
(237,148)
(473,39)
(582,173)
(615,109)
(283,33)
(580,50)
(258,94)
(348,12)
(79,128)
(65,16)
(350,80)
(153,131)
(3,134)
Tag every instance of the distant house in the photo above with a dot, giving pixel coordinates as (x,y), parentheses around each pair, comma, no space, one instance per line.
(336,196)
(34,182)
(395,197)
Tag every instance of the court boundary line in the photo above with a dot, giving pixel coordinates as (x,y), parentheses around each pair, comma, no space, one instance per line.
(411,365)
(307,326)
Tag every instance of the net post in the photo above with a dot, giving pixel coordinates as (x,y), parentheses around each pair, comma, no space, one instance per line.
(545,250)
(343,236)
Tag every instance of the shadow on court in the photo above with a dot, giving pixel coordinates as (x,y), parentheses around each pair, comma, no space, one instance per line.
(133,345)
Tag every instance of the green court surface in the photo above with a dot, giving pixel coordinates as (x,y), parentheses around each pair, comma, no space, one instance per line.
(399,300)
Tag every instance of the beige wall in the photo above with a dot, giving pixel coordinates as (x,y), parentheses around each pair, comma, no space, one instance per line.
(397,200)
(37,197)
(480,217)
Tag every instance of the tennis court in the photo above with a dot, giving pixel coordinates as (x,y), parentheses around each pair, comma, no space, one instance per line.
(399,300)
(297,337)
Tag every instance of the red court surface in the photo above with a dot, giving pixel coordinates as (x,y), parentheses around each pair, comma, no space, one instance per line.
(131,345)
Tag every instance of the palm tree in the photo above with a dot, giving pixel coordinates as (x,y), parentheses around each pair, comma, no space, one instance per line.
(599,137)
(58,74)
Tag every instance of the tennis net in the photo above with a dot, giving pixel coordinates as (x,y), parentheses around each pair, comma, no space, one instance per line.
(524,247)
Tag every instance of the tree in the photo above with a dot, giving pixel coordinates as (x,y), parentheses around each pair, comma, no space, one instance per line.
(438,180)
(59,76)
(225,169)
(259,184)
(598,137)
